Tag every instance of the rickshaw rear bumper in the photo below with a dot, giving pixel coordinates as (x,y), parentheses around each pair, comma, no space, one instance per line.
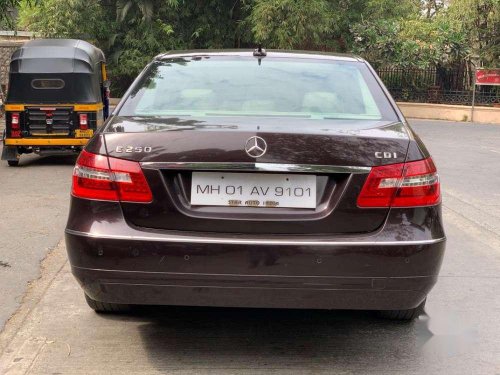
(13,147)
(45,142)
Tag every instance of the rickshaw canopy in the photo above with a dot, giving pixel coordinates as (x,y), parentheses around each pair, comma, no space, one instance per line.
(56,71)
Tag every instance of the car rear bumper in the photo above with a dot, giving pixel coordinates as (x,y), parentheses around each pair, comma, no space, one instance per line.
(115,262)
(364,293)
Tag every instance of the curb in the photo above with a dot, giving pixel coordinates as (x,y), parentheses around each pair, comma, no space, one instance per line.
(50,267)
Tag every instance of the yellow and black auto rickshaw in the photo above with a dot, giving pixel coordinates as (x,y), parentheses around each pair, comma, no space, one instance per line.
(57,97)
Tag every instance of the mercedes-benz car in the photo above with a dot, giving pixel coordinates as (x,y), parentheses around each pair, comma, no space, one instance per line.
(256,179)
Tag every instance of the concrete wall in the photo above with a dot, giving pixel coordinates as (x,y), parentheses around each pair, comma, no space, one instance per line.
(450,112)
(10,35)
(6,50)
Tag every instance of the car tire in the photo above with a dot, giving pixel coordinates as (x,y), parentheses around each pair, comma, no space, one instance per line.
(105,307)
(13,163)
(407,315)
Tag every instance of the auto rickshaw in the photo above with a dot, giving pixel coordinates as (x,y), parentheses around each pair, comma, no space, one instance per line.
(58,95)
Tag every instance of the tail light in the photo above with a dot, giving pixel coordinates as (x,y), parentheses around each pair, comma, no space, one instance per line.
(15,129)
(411,184)
(14,120)
(104,178)
(84,124)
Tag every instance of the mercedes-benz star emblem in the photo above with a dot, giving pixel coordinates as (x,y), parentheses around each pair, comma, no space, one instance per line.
(255,147)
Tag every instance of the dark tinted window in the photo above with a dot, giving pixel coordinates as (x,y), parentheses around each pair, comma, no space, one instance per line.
(47,83)
(239,86)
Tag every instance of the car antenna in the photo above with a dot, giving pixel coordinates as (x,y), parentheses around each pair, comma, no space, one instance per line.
(260,52)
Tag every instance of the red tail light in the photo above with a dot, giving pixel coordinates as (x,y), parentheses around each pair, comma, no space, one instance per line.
(110,179)
(84,125)
(15,129)
(14,120)
(412,184)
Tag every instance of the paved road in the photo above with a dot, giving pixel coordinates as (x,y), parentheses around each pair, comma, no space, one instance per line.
(54,332)
(34,206)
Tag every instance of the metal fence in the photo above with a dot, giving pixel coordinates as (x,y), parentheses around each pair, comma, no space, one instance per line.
(437,85)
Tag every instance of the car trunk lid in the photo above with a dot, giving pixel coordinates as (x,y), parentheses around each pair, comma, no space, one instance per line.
(338,153)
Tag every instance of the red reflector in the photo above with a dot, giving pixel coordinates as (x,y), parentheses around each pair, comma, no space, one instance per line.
(410,184)
(104,178)
(84,125)
(15,133)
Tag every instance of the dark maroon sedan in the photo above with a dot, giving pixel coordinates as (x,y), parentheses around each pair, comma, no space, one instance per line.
(232,178)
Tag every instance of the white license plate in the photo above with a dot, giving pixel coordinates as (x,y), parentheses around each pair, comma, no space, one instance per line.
(253,189)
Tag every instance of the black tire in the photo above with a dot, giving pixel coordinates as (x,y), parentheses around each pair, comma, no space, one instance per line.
(407,315)
(105,307)
(13,163)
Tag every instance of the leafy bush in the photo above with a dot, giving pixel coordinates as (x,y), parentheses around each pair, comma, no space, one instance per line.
(400,33)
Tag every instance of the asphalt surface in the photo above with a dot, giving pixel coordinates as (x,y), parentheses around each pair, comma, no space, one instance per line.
(34,202)
(53,331)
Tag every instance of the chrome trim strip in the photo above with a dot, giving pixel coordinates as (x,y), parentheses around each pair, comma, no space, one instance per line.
(240,241)
(263,167)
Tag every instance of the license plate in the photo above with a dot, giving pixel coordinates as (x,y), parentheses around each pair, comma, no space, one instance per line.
(79,133)
(253,190)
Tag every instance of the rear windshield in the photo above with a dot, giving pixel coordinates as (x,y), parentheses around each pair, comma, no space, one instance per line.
(240,86)
(47,83)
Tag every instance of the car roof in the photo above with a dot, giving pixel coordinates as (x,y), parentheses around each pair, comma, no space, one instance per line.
(317,55)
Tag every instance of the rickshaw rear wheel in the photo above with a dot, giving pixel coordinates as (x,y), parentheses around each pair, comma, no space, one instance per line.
(13,163)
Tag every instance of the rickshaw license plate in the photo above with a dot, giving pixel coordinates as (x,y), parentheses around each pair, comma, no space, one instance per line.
(79,133)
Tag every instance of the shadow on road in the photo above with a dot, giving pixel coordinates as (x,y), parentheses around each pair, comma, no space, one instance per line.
(254,338)
(35,160)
